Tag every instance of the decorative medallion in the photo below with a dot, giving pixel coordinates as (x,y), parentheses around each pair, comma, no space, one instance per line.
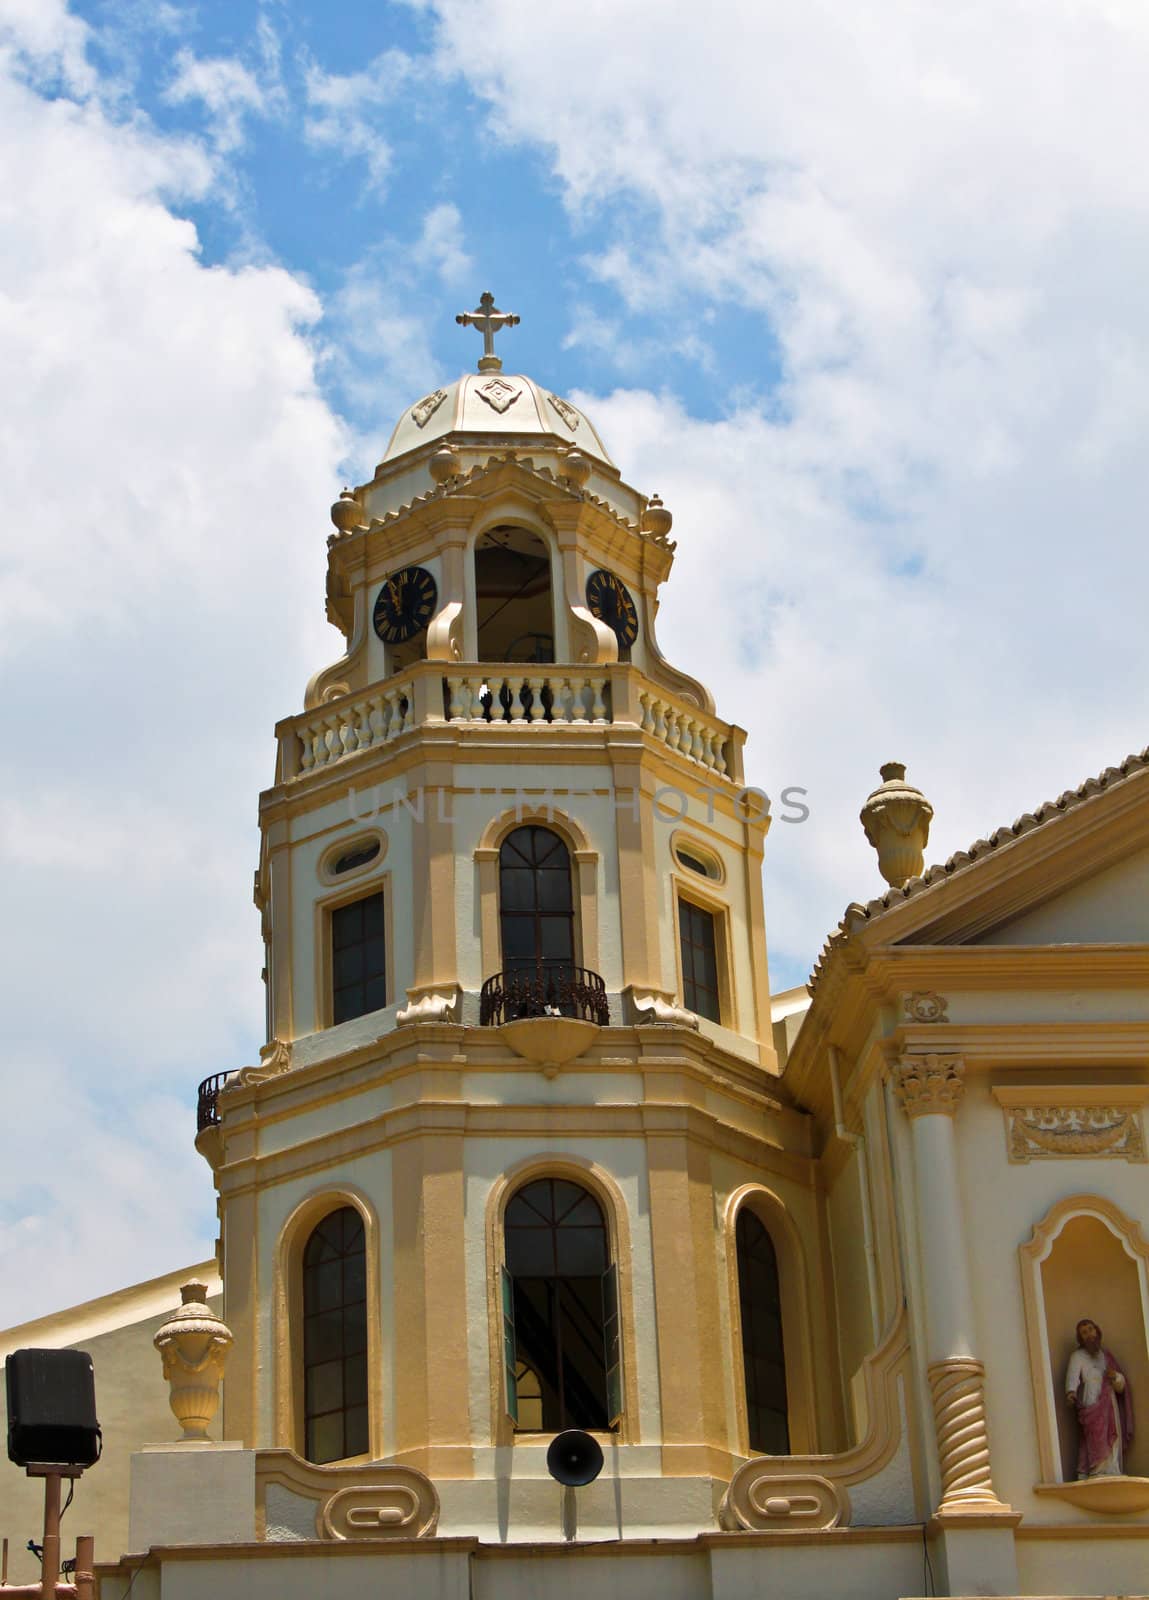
(427,407)
(1037,1133)
(499,394)
(565,410)
(925,1006)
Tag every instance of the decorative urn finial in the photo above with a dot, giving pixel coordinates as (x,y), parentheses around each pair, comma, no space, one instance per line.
(656,519)
(896,817)
(193,1344)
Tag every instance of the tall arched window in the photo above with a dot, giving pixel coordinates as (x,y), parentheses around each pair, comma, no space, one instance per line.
(763,1360)
(560,1310)
(335,1338)
(536,905)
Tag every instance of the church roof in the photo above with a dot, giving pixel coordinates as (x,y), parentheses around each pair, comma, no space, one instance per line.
(857,915)
(495,404)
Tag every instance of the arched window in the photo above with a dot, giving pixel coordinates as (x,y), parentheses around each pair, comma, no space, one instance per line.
(513,596)
(536,916)
(560,1310)
(335,1338)
(763,1360)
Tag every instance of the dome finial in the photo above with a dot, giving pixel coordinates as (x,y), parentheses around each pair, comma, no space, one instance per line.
(489,320)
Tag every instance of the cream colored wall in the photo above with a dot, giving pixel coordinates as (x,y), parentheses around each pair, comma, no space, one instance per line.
(477,795)
(852,1310)
(1111,907)
(131,1405)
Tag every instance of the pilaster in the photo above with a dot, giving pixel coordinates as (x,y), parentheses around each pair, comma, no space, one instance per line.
(930,1089)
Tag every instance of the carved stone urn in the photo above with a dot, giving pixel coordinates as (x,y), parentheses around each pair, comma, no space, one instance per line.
(193,1344)
(896,817)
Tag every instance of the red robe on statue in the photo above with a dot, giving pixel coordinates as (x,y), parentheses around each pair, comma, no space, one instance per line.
(1098,1424)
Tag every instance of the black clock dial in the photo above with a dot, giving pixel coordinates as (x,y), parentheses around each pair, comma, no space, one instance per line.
(609,600)
(405,604)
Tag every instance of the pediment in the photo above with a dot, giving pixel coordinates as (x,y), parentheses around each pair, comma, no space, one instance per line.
(1074,872)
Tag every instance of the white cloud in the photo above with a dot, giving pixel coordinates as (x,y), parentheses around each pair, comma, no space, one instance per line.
(935,219)
(166,463)
(228,91)
(345,111)
(441,247)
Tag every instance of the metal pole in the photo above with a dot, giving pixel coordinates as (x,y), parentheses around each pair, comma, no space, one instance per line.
(50,1564)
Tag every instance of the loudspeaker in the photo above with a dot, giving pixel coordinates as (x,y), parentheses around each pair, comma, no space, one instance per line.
(52,1408)
(574,1458)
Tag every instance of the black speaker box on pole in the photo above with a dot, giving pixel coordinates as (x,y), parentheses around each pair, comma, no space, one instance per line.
(52,1408)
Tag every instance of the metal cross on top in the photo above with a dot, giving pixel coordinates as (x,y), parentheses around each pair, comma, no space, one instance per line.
(489,320)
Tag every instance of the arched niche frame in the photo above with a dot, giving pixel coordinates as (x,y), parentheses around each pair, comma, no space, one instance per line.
(1085,1258)
(287,1315)
(584,870)
(796,1332)
(590,1176)
(520,512)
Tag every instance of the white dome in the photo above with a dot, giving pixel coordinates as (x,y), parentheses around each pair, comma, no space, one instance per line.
(500,406)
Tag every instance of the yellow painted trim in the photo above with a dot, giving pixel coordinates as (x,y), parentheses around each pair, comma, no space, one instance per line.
(344,845)
(287,1314)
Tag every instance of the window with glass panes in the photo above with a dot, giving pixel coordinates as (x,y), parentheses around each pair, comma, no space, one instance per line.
(358,958)
(536,908)
(696,937)
(560,1310)
(763,1361)
(335,1338)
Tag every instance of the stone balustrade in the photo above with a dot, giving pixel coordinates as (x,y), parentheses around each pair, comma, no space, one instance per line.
(348,725)
(496,697)
(518,696)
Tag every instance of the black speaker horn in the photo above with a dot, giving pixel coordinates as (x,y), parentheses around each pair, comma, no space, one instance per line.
(52,1408)
(574,1458)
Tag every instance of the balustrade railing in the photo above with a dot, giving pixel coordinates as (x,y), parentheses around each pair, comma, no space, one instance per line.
(207,1101)
(528,697)
(505,696)
(543,989)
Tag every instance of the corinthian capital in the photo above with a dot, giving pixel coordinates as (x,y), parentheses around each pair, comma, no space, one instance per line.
(929,1085)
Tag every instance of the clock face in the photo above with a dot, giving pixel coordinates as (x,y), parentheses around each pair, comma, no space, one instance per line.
(405,605)
(609,600)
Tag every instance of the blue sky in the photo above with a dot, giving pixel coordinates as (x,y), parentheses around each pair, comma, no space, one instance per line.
(859,291)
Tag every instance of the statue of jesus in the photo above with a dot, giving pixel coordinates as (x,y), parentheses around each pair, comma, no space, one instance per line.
(1096,1388)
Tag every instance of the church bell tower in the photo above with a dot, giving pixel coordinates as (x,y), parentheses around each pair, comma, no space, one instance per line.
(482,1185)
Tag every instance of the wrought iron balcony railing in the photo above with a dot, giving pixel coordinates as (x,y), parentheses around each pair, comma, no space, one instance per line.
(207,1101)
(543,989)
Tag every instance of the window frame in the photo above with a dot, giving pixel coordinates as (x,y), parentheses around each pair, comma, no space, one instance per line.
(584,883)
(610,1199)
(362,888)
(608,1310)
(287,1319)
(797,1330)
(687,888)
(308,1311)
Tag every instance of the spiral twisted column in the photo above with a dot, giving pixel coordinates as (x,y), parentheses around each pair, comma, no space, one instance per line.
(930,1089)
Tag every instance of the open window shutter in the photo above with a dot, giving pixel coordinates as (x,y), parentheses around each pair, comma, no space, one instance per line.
(508,1292)
(612,1342)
